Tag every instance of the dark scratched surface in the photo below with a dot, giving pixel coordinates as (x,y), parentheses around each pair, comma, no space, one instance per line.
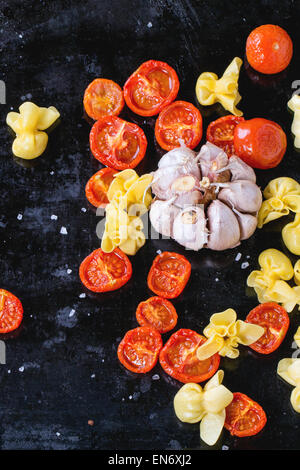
(61,366)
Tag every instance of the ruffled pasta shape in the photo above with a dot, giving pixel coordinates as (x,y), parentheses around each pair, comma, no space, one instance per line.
(297,337)
(225,333)
(192,404)
(294,105)
(129,198)
(270,283)
(282,196)
(29,124)
(291,235)
(211,89)
(289,370)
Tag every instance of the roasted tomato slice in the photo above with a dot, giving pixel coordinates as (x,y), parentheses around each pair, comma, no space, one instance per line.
(151,87)
(178,358)
(139,349)
(244,417)
(169,275)
(97,187)
(260,143)
(103,272)
(179,120)
(158,313)
(220,132)
(103,97)
(11,312)
(275,320)
(117,143)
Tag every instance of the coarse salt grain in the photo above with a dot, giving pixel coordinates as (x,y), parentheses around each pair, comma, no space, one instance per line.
(54,217)
(72,312)
(19,216)
(238,257)
(244,265)
(82,296)
(63,231)
(69,271)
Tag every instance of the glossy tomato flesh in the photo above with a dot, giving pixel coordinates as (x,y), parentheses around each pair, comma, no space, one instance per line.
(151,87)
(260,143)
(103,272)
(220,132)
(117,143)
(275,320)
(103,97)
(244,417)
(169,274)
(158,313)
(179,358)
(11,311)
(97,187)
(178,121)
(139,349)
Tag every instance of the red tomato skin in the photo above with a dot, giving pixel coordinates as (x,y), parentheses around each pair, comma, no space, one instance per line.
(269,49)
(86,98)
(110,160)
(227,144)
(147,66)
(18,318)
(183,280)
(159,125)
(247,432)
(148,331)
(251,141)
(160,300)
(285,326)
(107,287)
(176,374)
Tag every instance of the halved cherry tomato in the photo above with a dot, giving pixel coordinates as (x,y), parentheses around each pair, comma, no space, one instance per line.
(220,132)
(103,97)
(139,349)
(97,187)
(269,49)
(260,143)
(169,274)
(158,313)
(11,311)
(151,87)
(103,272)
(179,120)
(178,358)
(275,320)
(244,417)
(117,143)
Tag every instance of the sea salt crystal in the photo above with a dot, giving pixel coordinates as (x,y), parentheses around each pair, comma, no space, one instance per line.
(72,312)
(52,173)
(217,279)
(93,376)
(19,216)
(244,265)
(130,397)
(69,271)
(58,434)
(21,369)
(238,257)
(159,252)
(82,296)
(63,231)
(83,209)
(225,448)
(149,25)
(155,377)
(54,217)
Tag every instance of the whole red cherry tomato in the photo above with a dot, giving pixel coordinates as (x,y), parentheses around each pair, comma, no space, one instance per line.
(260,143)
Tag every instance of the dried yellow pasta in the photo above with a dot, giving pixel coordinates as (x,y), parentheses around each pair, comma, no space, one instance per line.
(29,124)
(282,196)
(289,370)
(192,404)
(294,105)
(129,198)
(297,337)
(269,282)
(291,235)
(225,333)
(297,272)
(211,89)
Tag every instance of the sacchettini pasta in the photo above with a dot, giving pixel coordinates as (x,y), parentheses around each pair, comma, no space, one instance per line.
(29,124)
